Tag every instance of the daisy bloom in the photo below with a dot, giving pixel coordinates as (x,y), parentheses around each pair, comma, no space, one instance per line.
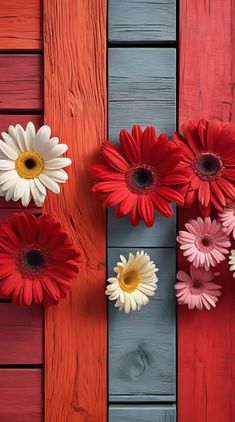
(140,175)
(209,154)
(135,280)
(38,262)
(232,261)
(197,290)
(204,243)
(227,218)
(30,163)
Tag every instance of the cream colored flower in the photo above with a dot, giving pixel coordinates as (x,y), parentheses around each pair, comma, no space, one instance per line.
(135,281)
(30,163)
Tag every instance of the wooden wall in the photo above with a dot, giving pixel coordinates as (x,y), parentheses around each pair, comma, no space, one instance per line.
(21,100)
(142,90)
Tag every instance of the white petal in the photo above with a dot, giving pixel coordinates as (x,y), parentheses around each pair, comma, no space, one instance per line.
(42,137)
(19,189)
(49,183)
(30,134)
(40,186)
(53,151)
(20,133)
(7,165)
(57,163)
(9,152)
(57,175)
(25,200)
(7,175)
(10,182)
(38,197)
(10,193)
(10,142)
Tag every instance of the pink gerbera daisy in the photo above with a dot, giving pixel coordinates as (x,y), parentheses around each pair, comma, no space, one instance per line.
(197,290)
(227,218)
(204,243)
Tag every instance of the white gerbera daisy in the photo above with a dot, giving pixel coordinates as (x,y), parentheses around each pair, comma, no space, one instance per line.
(232,261)
(135,281)
(30,163)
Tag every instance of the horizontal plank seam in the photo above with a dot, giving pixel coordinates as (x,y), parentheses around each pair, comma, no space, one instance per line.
(21,52)
(22,366)
(142,44)
(24,111)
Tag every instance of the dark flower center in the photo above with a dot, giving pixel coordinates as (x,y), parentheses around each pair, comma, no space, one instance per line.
(141,179)
(208,166)
(205,243)
(30,163)
(34,260)
(197,284)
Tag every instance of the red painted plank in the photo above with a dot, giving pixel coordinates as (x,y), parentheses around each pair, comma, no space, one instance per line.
(206,340)
(75,108)
(20,25)
(21,334)
(21,395)
(21,82)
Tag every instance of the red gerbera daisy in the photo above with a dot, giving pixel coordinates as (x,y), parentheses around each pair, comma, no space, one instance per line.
(37,260)
(209,155)
(140,175)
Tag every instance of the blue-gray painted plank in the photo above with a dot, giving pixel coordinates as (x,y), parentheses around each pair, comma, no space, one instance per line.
(142,413)
(142,344)
(142,21)
(122,233)
(142,89)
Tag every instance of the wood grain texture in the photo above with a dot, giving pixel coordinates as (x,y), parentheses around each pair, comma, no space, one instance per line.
(142,20)
(141,89)
(142,344)
(206,340)
(75,108)
(142,413)
(21,82)
(21,335)
(20,25)
(121,233)
(21,395)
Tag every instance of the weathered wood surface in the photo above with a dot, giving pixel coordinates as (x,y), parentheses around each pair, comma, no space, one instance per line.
(20,25)
(142,344)
(121,233)
(21,335)
(21,82)
(142,413)
(206,340)
(142,21)
(141,89)
(21,395)
(75,108)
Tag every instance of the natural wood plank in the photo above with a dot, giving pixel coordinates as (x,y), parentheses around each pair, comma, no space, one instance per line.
(206,340)
(21,335)
(75,108)
(142,20)
(142,413)
(21,395)
(141,89)
(20,25)
(142,344)
(21,82)
(122,233)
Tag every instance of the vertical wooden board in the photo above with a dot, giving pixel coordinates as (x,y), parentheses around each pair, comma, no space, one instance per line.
(21,82)
(121,233)
(206,340)
(141,89)
(75,108)
(142,413)
(21,335)
(142,344)
(142,21)
(20,25)
(21,395)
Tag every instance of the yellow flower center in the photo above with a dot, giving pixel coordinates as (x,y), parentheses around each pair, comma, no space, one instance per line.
(129,281)
(29,165)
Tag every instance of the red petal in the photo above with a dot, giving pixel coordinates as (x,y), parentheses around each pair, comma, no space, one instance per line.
(191,134)
(217,193)
(114,157)
(10,284)
(171,195)
(176,177)
(28,292)
(215,203)
(204,193)
(146,210)
(170,161)
(115,197)
(162,205)
(226,187)
(159,150)
(190,198)
(137,135)
(229,174)
(37,291)
(128,203)
(108,186)
(214,129)
(147,141)
(202,131)
(103,172)
(129,147)
(205,211)
(134,215)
